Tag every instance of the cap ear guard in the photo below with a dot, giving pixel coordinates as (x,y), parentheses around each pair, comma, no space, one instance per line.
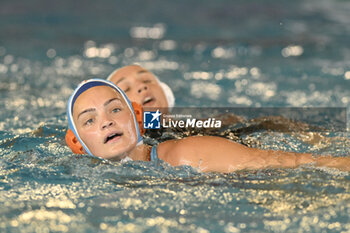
(138,110)
(76,147)
(73,143)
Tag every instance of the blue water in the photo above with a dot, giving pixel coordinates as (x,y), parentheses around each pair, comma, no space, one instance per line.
(212,53)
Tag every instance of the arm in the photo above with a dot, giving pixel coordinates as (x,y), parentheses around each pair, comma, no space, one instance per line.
(215,154)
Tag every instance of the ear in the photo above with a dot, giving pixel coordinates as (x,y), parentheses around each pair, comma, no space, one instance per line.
(138,110)
(74,143)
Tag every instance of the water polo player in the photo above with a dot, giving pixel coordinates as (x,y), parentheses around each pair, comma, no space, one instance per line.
(102,118)
(143,87)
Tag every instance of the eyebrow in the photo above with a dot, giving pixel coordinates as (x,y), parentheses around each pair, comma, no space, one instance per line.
(86,111)
(120,80)
(142,71)
(93,109)
(139,72)
(111,100)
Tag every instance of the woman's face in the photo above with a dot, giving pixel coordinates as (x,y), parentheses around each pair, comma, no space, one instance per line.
(105,123)
(141,86)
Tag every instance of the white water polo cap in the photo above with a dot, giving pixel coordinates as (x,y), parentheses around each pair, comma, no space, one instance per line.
(86,85)
(169,95)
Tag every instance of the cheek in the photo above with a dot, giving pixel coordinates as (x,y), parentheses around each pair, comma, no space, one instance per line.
(90,137)
(133,97)
(161,96)
(130,129)
(132,132)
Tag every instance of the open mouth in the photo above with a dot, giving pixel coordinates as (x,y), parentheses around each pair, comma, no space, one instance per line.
(112,136)
(148,101)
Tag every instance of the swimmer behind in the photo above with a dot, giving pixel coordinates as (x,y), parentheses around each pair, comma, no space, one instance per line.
(143,87)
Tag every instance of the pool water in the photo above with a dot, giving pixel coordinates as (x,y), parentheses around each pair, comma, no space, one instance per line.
(212,54)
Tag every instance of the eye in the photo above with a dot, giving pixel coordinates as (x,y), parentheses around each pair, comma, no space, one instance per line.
(89,122)
(127,89)
(147,81)
(116,110)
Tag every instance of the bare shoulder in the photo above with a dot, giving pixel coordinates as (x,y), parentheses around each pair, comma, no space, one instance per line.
(208,142)
(171,151)
(185,144)
(191,150)
(208,153)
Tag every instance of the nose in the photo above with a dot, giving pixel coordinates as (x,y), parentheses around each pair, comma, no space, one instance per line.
(142,87)
(107,123)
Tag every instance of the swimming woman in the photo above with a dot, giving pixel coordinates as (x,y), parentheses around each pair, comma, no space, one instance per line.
(102,118)
(143,87)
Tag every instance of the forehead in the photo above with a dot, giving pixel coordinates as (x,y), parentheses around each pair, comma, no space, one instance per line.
(130,72)
(96,96)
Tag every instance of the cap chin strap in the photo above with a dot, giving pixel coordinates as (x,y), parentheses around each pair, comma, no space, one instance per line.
(76,147)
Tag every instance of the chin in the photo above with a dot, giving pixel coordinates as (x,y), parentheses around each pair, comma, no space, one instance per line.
(120,157)
(115,157)
(121,154)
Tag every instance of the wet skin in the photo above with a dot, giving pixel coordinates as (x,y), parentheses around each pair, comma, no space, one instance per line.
(140,85)
(105,123)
